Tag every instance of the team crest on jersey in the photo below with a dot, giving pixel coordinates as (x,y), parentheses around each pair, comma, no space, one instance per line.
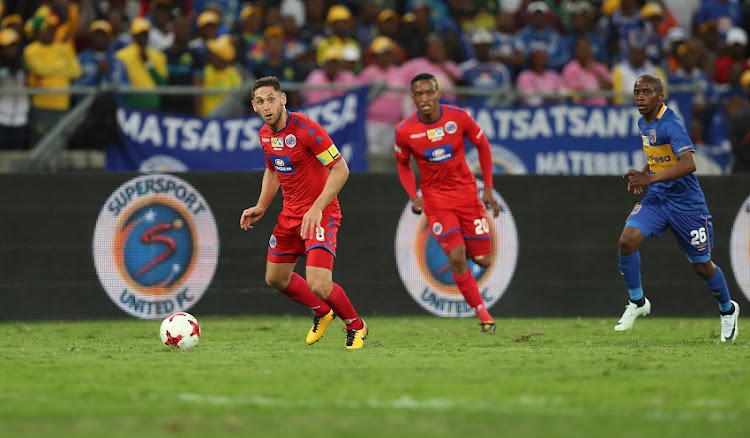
(451,127)
(290,140)
(636,209)
(435,134)
(277,143)
(437,228)
(272,241)
(652,136)
(425,270)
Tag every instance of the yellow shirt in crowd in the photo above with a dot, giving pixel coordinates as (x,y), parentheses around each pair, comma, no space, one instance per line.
(51,66)
(214,78)
(138,74)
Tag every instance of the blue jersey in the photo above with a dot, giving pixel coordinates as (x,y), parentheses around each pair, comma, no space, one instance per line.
(665,139)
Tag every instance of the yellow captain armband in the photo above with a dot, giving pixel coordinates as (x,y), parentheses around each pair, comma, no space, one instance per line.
(329,155)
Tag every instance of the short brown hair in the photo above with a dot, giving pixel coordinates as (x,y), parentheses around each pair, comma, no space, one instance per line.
(267,81)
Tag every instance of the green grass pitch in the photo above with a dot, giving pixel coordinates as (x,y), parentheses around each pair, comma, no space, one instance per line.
(416,377)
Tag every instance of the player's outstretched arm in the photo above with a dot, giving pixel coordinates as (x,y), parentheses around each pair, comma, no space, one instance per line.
(337,176)
(268,190)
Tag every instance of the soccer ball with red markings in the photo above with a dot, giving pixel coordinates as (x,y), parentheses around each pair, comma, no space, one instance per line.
(180,330)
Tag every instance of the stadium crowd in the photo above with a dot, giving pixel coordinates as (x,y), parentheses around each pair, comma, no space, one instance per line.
(582,51)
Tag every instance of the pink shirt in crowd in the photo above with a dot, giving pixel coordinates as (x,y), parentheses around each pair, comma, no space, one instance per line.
(387,107)
(423,65)
(318,77)
(531,82)
(578,78)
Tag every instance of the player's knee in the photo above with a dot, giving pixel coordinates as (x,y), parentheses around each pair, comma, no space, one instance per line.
(482,260)
(705,270)
(320,288)
(277,282)
(627,245)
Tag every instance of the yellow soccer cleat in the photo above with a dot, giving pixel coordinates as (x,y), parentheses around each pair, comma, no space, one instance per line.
(488,327)
(356,338)
(320,324)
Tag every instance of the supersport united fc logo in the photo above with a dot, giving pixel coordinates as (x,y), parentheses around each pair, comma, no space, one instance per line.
(155,246)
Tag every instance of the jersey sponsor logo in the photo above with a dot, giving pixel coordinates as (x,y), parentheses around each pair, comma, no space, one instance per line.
(290,140)
(282,163)
(418,135)
(155,246)
(739,244)
(329,155)
(430,282)
(685,148)
(437,228)
(438,154)
(272,241)
(451,127)
(652,136)
(436,133)
(265,140)
(277,143)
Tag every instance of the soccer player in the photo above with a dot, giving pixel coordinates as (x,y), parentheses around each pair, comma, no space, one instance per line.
(302,159)
(674,200)
(434,135)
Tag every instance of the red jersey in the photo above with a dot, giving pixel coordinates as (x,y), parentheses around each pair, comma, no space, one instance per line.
(439,151)
(301,154)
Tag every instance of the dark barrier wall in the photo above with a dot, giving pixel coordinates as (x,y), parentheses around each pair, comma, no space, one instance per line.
(567,236)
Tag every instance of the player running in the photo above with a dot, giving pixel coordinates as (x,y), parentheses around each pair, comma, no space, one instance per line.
(435,134)
(674,200)
(302,159)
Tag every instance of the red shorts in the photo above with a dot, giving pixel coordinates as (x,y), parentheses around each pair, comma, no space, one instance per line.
(286,245)
(461,226)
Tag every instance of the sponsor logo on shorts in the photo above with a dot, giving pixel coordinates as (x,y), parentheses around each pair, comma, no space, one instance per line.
(426,273)
(155,246)
(739,248)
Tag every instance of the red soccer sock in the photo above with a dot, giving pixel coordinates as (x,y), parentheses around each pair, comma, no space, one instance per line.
(301,293)
(341,305)
(469,289)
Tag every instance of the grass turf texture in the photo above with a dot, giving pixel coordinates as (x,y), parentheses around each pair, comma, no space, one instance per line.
(423,376)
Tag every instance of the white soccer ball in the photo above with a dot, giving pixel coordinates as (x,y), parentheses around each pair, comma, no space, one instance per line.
(180,330)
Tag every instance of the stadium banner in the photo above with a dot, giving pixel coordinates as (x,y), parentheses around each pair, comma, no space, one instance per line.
(154,141)
(127,245)
(568,139)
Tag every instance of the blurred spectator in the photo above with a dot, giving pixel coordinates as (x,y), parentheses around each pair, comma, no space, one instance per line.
(522,16)
(276,63)
(483,72)
(98,60)
(672,41)
(208,28)
(388,26)
(294,9)
(688,72)
(725,13)
(508,47)
(418,26)
(584,74)
(366,28)
(668,20)
(438,9)
(581,26)
(185,67)
(736,43)
(161,35)
(219,72)
(480,13)
(67,13)
(708,32)
(120,35)
(15,22)
(294,47)
(271,15)
(314,29)
(14,109)
(538,35)
(436,62)
(339,20)
(226,10)
(383,114)
(331,73)
(351,58)
(560,10)
(540,79)
(626,72)
(250,34)
(652,14)
(140,66)
(50,64)
(623,29)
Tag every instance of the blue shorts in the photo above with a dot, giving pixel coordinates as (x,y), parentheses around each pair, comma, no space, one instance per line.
(694,231)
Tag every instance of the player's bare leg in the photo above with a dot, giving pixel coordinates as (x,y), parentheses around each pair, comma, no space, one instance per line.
(282,277)
(321,284)
(468,285)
